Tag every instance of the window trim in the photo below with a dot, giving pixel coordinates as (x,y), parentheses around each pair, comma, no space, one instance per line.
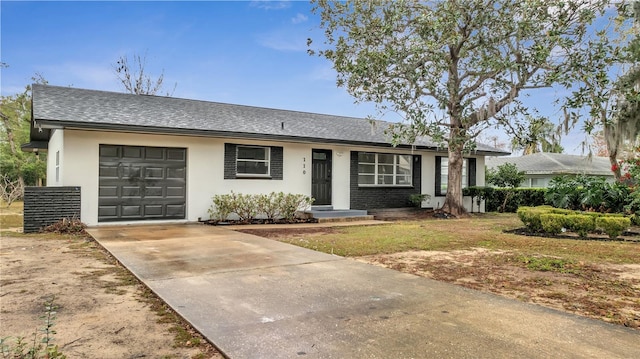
(376,175)
(254,175)
(57,166)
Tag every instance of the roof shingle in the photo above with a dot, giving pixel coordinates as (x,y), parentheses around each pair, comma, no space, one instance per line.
(80,108)
(555,164)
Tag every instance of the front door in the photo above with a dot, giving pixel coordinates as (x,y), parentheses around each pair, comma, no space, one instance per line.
(321,177)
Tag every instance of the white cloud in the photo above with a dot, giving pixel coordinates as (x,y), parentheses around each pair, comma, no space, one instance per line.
(99,76)
(282,40)
(299,18)
(270,5)
(324,72)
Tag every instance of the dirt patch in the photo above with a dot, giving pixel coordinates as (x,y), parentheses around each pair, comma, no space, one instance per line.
(102,310)
(607,292)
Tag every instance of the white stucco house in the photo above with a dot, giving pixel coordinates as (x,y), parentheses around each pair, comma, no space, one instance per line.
(139,157)
(540,168)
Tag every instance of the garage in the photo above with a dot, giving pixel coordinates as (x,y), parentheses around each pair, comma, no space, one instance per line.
(141,183)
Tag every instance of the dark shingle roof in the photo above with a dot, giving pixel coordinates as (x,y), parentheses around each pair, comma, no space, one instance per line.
(55,106)
(555,164)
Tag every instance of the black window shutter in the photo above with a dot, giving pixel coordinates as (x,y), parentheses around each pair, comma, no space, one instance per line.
(229,161)
(471,171)
(438,175)
(276,162)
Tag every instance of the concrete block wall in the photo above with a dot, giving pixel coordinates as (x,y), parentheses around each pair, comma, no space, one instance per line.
(46,205)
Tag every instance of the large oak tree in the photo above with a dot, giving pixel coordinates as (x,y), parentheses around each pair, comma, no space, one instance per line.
(450,68)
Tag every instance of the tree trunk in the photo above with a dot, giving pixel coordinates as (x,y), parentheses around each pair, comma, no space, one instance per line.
(453,200)
(612,142)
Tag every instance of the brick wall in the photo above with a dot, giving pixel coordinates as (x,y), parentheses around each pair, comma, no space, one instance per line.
(46,205)
(383,197)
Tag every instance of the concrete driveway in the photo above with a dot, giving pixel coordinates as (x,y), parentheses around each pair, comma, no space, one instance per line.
(258,298)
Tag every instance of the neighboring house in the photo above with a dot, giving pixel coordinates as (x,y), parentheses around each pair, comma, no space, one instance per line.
(139,157)
(540,168)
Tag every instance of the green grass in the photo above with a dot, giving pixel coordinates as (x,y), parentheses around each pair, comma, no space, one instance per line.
(483,231)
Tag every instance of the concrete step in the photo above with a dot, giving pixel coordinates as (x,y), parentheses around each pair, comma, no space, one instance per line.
(322,208)
(328,214)
(336,213)
(345,219)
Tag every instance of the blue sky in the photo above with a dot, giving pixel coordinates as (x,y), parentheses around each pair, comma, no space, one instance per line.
(243,52)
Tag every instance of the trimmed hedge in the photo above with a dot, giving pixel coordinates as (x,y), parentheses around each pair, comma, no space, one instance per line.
(530,197)
(613,226)
(248,206)
(551,220)
(582,224)
(552,223)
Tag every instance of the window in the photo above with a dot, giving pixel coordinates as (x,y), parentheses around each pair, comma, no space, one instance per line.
(442,174)
(539,182)
(253,161)
(384,169)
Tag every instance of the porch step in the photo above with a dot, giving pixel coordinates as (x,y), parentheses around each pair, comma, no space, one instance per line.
(338,215)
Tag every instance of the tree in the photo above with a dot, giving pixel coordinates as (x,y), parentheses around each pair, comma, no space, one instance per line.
(450,68)
(534,135)
(18,168)
(135,78)
(506,175)
(605,97)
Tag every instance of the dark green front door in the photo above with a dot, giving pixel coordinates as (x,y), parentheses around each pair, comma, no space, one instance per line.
(321,177)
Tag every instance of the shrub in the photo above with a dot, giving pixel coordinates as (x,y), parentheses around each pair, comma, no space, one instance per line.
(581,223)
(552,223)
(561,211)
(417,199)
(516,197)
(269,204)
(563,192)
(223,205)
(531,218)
(245,206)
(478,194)
(291,203)
(613,226)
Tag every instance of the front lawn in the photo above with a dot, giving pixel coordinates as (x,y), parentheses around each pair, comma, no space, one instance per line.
(594,278)
(480,231)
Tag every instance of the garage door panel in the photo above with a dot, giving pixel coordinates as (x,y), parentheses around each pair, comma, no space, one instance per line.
(176,173)
(175,192)
(131,210)
(154,172)
(108,211)
(176,210)
(177,154)
(109,151)
(108,171)
(140,183)
(132,152)
(155,192)
(131,192)
(153,210)
(108,191)
(154,153)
